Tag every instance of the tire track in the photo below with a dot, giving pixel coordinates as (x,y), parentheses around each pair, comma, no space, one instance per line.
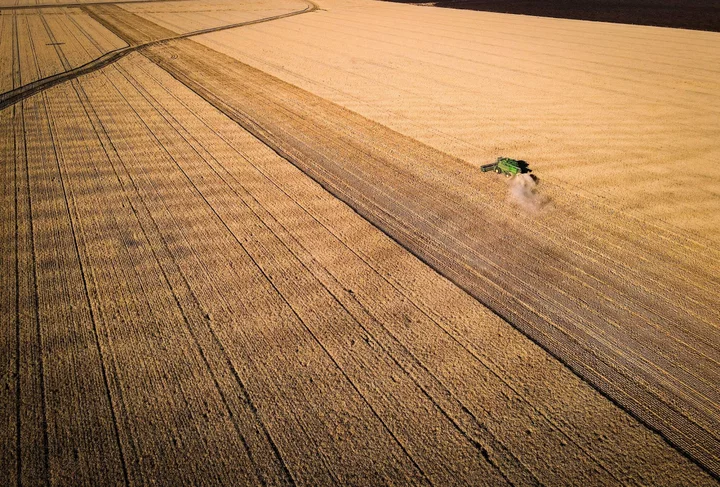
(134,457)
(45,453)
(20,93)
(89,37)
(9,305)
(31,434)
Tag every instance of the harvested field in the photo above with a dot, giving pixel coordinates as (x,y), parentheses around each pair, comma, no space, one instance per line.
(36,44)
(213,276)
(188,16)
(21,4)
(221,309)
(600,304)
(625,115)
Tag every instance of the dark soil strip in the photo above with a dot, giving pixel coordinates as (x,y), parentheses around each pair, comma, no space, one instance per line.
(681,14)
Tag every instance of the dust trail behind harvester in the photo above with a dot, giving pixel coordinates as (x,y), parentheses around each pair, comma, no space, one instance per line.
(524,193)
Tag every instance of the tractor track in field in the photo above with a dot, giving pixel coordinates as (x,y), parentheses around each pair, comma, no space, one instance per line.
(13,96)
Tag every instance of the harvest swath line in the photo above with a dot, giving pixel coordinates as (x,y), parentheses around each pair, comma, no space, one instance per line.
(219,344)
(36,298)
(11,97)
(94,119)
(122,403)
(84,218)
(91,309)
(259,268)
(300,319)
(18,421)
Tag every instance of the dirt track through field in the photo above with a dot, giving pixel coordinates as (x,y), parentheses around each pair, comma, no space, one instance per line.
(24,89)
(40,38)
(593,287)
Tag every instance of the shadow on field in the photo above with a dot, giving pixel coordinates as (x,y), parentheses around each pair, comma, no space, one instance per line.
(524,167)
(683,14)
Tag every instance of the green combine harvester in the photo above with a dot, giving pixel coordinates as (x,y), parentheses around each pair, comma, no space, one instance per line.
(504,165)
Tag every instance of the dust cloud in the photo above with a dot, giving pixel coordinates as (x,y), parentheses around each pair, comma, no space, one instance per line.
(524,193)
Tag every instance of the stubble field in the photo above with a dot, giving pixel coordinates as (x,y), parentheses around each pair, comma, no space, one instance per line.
(231,260)
(38,43)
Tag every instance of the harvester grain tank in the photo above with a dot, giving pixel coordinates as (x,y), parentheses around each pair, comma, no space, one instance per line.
(504,165)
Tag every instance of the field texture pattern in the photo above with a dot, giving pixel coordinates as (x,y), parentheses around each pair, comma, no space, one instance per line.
(41,43)
(214,275)
(628,115)
(629,306)
(225,318)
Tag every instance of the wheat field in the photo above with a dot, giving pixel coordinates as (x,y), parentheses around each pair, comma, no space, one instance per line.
(257,248)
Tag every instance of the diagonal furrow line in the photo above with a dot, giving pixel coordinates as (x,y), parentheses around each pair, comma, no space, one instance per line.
(13,96)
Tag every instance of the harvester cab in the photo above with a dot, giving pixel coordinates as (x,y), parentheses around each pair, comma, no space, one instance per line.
(504,165)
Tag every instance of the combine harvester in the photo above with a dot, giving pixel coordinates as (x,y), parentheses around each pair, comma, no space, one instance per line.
(504,165)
